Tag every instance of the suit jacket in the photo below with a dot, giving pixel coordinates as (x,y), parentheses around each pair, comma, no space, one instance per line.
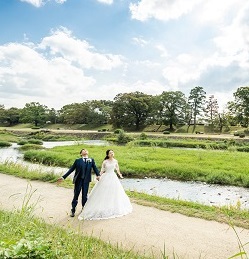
(82,169)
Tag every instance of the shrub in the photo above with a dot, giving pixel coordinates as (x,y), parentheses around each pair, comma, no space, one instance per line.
(30,146)
(243,149)
(117,131)
(22,142)
(4,144)
(35,141)
(166,132)
(123,138)
(143,136)
(236,133)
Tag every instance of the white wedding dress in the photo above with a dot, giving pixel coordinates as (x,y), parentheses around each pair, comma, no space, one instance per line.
(107,198)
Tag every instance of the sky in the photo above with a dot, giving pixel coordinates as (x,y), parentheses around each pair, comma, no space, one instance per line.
(59,52)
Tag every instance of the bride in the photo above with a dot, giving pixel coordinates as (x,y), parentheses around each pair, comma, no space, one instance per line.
(107,198)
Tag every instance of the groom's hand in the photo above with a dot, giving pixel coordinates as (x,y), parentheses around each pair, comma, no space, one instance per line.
(98,177)
(61,179)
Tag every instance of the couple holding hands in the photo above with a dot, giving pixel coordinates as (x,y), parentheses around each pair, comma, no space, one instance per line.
(107,198)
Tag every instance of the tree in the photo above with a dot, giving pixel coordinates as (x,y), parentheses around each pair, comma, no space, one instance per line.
(212,111)
(100,111)
(76,113)
(12,116)
(53,116)
(35,113)
(241,105)
(222,120)
(196,103)
(131,109)
(2,113)
(171,108)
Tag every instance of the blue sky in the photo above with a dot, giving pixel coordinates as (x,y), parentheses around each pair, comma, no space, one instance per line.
(58,52)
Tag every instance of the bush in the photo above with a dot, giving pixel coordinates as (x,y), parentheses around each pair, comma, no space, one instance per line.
(35,141)
(123,138)
(243,149)
(242,135)
(4,144)
(117,131)
(22,142)
(236,133)
(166,132)
(143,136)
(30,146)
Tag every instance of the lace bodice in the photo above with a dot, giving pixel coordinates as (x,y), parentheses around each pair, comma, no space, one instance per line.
(109,166)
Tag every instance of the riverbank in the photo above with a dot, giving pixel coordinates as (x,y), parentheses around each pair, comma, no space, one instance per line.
(147,230)
(94,134)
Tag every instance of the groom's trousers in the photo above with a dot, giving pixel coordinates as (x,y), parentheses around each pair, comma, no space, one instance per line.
(82,187)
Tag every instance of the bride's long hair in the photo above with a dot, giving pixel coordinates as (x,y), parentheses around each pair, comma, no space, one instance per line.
(107,153)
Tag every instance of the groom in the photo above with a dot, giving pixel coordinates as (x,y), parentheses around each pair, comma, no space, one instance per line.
(82,177)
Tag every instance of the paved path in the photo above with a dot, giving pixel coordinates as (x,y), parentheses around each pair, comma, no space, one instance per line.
(147,230)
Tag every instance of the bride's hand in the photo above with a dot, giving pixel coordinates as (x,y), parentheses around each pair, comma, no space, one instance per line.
(121,176)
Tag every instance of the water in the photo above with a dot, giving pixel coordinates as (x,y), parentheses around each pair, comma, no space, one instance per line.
(208,194)
(12,154)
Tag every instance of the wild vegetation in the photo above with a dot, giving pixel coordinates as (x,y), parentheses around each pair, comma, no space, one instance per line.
(24,236)
(211,166)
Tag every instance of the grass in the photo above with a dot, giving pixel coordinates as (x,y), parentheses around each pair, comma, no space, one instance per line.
(6,136)
(211,166)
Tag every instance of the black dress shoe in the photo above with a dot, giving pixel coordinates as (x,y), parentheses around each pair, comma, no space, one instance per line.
(72,214)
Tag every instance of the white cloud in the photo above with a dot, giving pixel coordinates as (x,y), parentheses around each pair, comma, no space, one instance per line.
(216,13)
(139,41)
(60,1)
(106,1)
(161,9)
(108,92)
(36,3)
(164,52)
(62,43)
(40,3)
(52,72)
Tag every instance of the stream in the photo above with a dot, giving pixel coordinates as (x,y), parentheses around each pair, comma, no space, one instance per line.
(208,194)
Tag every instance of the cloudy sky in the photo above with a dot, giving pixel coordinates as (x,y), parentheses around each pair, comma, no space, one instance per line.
(58,52)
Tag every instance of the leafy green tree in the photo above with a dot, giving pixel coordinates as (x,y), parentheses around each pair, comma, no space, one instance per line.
(196,102)
(222,121)
(241,105)
(171,108)
(76,113)
(233,118)
(131,110)
(34,112)
(12,116)
(212,112)
(2,113)
(100,112)
(53,116)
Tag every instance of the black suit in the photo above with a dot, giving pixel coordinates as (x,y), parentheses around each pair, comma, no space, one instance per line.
(81,179)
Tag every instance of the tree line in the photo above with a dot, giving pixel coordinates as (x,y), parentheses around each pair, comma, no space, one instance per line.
(136,110)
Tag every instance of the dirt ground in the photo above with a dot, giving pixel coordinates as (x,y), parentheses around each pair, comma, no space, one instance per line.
(147,230)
